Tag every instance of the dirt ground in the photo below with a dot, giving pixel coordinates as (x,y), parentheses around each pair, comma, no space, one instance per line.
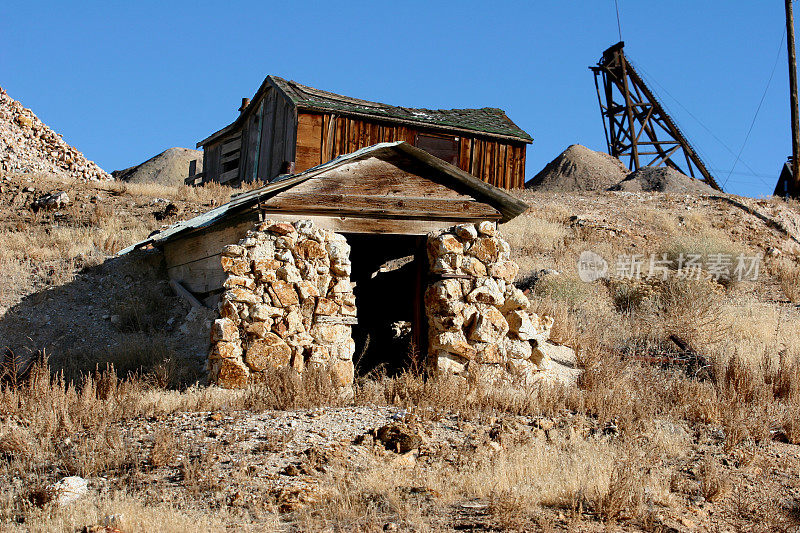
(635,446)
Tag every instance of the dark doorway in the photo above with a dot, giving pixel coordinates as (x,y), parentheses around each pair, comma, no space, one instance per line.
(389,272)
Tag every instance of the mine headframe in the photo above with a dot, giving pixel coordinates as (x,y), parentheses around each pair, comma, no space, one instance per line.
(636,124)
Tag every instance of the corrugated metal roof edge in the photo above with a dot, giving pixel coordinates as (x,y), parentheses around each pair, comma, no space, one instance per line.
(509,206)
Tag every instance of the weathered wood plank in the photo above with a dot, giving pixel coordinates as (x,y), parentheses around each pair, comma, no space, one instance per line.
(267,134)
(397,226)
(323,319)
(206,242)
(290,133)
(181,291)
(229,175)
(464,153)
(386,177)
(432,208)
(278,139)
(232,145)
(309,139)
(211,162)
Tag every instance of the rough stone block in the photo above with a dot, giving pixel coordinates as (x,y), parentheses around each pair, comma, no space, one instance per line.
(488,353)
(330,333)
(486,294)
(446,323)
(265,312)
(259,329)
(289,273)
(238,266)
(345,350)
(342,286)
(486,249)
(454,342)
(224,330)
(447,264)
(338,251)
(307,289)
(506,270)
(442,291)
(522,324)
(240,294)
(233,250)
(446,244)
(341,269)
(294,321)
(310,249)
(487,228)
(489,325)
(283,293)
(517,348)
(280,228)
(239,281)
(466,232)
(473,266)
(229,373)
(515,299)
(319,355)
(269,352)
(342,372)
(451,364)
(227,309)
(326,306)
(546,352)
(225,350)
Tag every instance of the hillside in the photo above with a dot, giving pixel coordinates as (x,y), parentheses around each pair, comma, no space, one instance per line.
(579,169)
(170,167)
(643,442)
(28,145)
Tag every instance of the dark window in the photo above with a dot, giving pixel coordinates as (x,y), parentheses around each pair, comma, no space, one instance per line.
(445,148)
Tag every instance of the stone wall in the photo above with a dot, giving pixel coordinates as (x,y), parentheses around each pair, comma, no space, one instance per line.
(288,302)
(479,322)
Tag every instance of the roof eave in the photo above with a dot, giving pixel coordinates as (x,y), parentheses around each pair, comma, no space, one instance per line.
(445,127)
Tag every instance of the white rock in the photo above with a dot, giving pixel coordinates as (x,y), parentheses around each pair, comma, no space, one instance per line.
(69,489)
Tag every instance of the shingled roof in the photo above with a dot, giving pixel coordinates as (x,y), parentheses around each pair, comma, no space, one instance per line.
(489,121)
(485,120)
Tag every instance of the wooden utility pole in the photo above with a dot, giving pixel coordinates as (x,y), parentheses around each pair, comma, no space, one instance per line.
(794,186)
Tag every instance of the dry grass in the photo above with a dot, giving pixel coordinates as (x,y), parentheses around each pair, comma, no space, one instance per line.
(627,428)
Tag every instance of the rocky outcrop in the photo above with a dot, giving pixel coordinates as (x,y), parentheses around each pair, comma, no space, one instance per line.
(479,323)
(288,302)
(28,146)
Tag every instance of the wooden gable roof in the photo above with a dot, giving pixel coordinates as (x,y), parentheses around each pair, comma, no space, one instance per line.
(379,187)
(488,121)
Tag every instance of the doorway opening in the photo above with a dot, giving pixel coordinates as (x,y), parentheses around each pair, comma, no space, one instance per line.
(390,273)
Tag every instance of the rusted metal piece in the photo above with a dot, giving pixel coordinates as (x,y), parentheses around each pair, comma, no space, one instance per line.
(639,112)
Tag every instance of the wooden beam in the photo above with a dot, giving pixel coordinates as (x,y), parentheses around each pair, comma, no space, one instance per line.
(434,208)
(344,224)
(181,291)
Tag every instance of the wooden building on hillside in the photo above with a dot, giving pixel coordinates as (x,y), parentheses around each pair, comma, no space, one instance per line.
(288,127)
(384,199)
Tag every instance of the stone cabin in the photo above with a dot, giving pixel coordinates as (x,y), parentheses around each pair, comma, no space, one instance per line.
(340,260)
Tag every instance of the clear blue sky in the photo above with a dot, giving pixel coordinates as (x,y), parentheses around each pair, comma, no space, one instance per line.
(123,81)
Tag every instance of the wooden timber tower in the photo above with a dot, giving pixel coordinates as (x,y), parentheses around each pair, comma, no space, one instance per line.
(636,124)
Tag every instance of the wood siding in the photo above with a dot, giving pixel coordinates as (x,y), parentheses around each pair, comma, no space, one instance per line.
(274,132)
(267,141)
(322,137)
